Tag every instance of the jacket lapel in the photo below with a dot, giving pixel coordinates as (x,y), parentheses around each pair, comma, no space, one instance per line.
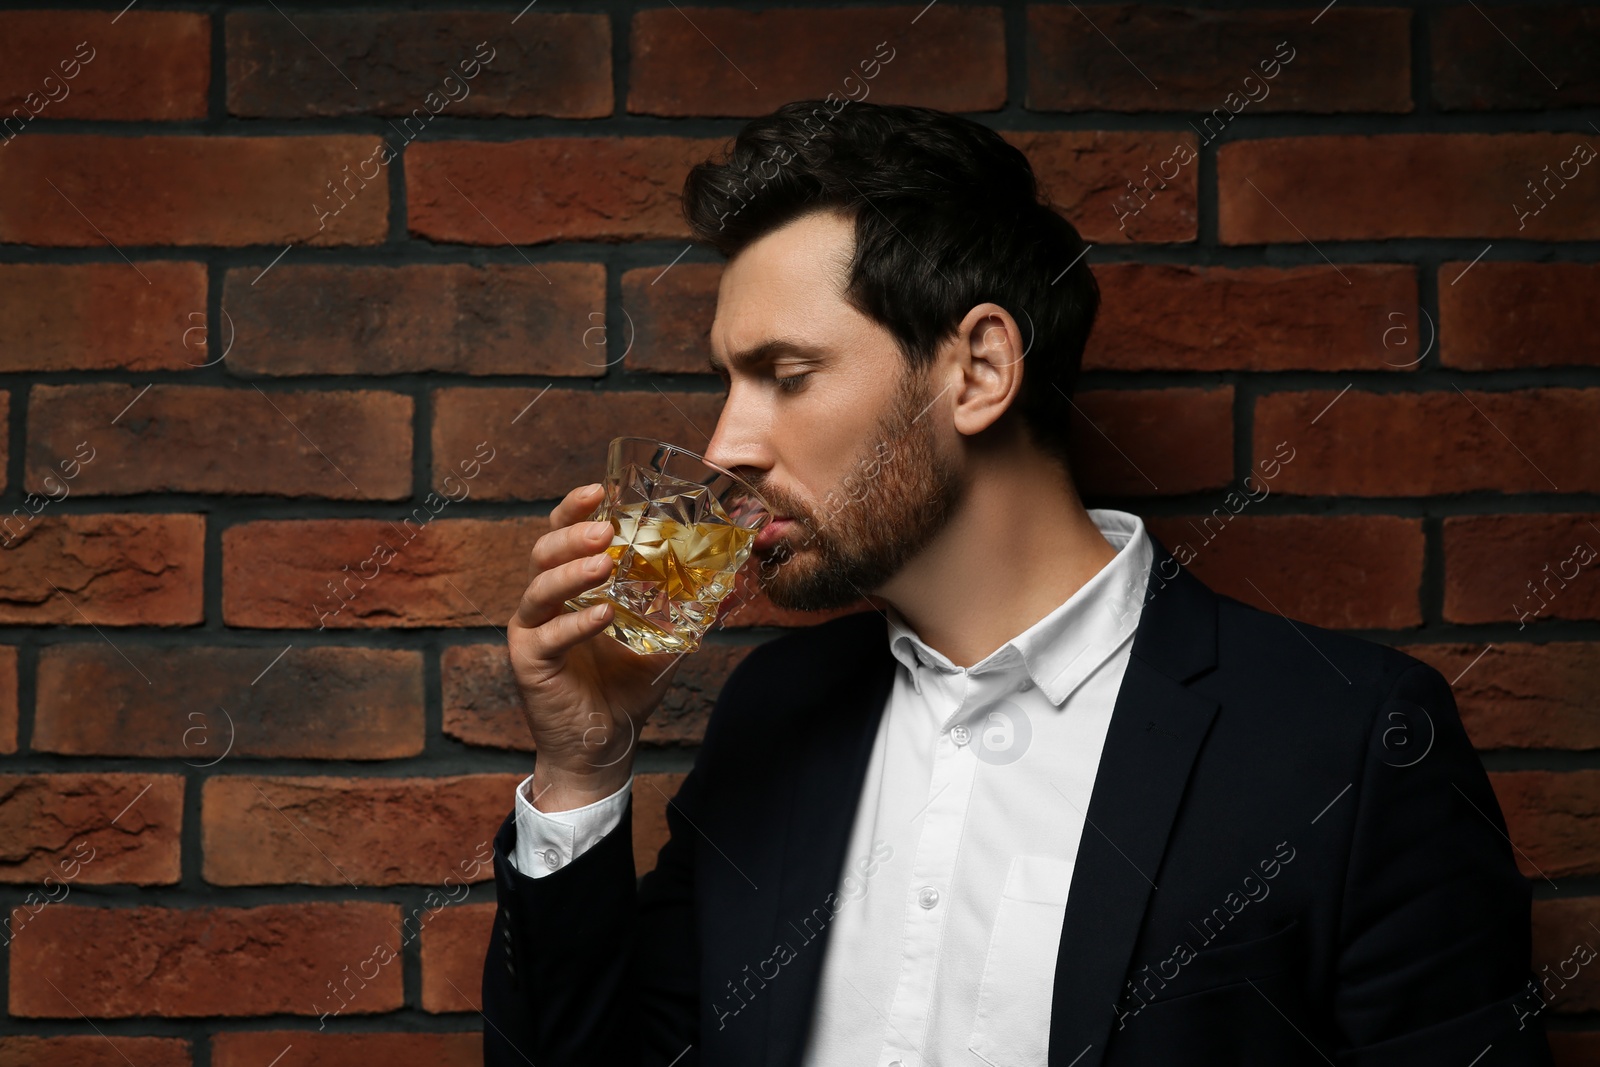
(1157,727)
(833,740)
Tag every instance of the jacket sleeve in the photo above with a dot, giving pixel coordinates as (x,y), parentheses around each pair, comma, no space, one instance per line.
(586,966)
(1435,937)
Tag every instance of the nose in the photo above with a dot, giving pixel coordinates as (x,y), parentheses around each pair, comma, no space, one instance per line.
(739,442)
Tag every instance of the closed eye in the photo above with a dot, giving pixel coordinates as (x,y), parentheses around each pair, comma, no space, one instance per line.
(791,383)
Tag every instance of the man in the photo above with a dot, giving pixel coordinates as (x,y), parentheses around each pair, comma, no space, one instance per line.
(1057,802)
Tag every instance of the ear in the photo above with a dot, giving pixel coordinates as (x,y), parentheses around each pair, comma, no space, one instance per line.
(988,350)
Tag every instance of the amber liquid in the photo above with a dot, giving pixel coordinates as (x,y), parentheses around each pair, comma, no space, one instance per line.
(667,576)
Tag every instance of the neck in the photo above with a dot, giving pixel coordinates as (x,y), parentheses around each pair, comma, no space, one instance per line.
(1019,545)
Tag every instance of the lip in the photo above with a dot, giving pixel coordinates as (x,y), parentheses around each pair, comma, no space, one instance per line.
(771,532)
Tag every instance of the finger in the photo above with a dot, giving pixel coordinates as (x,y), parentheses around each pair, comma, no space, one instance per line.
(569,541)
(547,594)
(552,640)
(561,546)
(576,506)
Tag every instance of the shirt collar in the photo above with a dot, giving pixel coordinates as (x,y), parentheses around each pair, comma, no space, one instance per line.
(1063,648)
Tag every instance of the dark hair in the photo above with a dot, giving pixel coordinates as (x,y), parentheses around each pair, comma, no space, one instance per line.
(948,215)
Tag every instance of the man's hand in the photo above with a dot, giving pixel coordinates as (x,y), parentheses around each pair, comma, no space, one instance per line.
(585,700)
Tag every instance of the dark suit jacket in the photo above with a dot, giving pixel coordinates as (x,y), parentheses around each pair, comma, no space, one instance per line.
(1292,856)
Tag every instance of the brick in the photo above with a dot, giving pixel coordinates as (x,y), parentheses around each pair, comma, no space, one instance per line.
(455,318)
(345,444)
(189,190)
(1523,58)
(1433,443)
(1519,695)
(952,59)
(444,906)
(1373,187)
(1185,59)
(1559,928)
(1170,316)
(453,947)
(1551,817)
(424,571)
(546,64)
(255,1048)
(547,450)
(551,189)
(1521,568)
(190,963)
(1502,315)
(1574,1048)
(1152,441)
(8,698)
(343,831)
(104,570)
(102,316)
(95,1050)
(90,829)
(481,706)
(1090,176)
(202,703)
(669,310)
(1367,568)
(151,65)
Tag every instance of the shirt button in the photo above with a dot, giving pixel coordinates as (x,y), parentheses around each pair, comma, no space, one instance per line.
(928,897)
(960,735)
(1024,686)
(551,858)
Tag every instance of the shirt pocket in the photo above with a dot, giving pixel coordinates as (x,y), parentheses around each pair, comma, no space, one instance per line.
(1011,1026)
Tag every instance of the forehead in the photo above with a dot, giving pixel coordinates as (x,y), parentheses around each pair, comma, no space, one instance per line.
(788,283)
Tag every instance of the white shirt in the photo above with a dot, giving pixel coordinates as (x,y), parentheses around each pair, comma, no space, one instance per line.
(943,953)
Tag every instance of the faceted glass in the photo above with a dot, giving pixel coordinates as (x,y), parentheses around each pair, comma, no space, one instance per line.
(681,529)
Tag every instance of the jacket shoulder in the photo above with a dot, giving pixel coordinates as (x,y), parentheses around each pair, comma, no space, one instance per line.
(1291,658)
(796,673)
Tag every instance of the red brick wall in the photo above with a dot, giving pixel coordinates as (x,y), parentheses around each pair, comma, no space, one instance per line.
(221,386)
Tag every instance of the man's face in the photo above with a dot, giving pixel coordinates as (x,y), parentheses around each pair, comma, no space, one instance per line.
(851,452)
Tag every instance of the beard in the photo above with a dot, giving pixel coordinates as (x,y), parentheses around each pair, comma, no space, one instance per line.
(899,495)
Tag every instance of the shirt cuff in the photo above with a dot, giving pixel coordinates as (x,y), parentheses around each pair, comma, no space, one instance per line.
(549,840)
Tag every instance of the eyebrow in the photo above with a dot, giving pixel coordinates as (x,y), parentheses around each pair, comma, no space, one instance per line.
(763,352)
